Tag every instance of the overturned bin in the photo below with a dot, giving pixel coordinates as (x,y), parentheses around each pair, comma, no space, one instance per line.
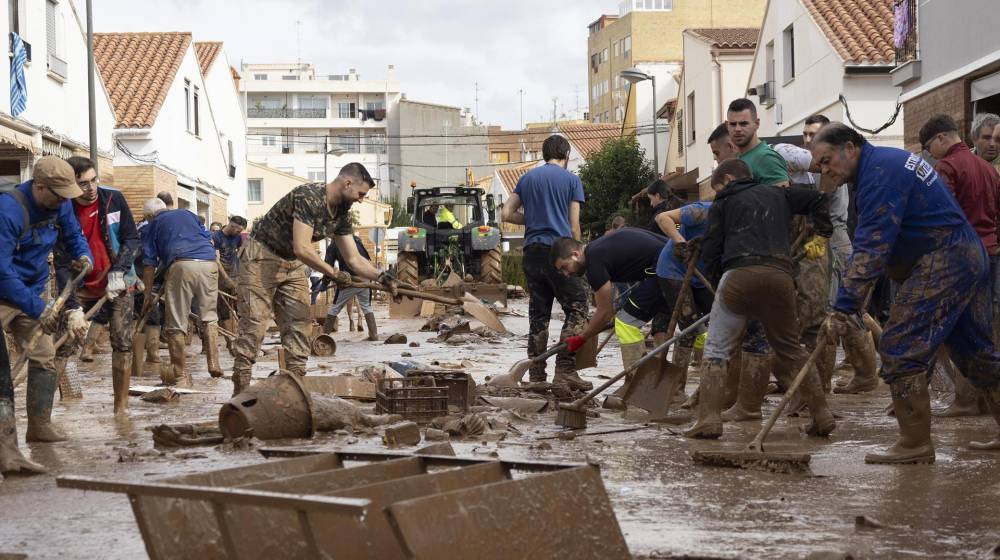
(273,408)
(312,504)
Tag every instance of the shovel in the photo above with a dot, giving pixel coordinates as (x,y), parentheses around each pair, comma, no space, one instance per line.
(573,415)
(754,456)
(651,388)
(69,385)
(516,372)
(470,304)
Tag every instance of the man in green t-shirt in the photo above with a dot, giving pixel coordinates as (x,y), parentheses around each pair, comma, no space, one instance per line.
(768,167)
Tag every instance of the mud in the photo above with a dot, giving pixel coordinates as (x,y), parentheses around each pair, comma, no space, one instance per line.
(667,506)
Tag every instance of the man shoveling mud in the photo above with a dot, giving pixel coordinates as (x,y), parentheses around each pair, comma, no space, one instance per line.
(273,262)
(910,226)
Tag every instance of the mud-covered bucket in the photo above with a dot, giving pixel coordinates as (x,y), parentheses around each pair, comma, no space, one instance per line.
(324,346)
(272,408)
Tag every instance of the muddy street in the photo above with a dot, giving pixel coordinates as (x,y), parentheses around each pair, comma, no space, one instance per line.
(666,506)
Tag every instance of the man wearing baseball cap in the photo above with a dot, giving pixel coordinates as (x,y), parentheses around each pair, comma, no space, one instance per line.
(33,216)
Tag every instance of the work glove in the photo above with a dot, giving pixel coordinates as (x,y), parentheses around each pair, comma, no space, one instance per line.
(49,320)
(77,324)
(139,286)
(815,248)
(341,279)
(681,252)
(574,343)
(843,323)
(389,282)
(80,264)
(116,284)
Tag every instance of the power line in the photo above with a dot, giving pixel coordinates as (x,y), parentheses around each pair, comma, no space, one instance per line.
(539,131)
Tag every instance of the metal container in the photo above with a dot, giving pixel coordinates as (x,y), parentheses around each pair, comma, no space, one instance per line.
(272,408)
(324,346)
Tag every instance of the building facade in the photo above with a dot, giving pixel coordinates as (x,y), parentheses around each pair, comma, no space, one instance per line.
(310,125)
(223,100)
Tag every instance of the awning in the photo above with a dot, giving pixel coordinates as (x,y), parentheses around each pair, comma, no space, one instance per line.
(17,139)
(986,86)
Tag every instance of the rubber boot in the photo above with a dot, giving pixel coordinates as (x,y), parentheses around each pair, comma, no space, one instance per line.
(38,402)
(204,340)
(966,400)
(754,375)
(176,345)
(212,343)
(630,354)
(912,403)
(572,380)
(709,422)
(372,327)
(859,349)
(681,357)
(329,324)
(121,376)
(733,372)
(138,352)
(993,400)
(11,459)
(811,394)
(152,344)
(825,363)
(241,380)
(90,342)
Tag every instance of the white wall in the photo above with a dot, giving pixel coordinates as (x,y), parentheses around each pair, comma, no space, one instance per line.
(59,105)
(666,89)
(228,114)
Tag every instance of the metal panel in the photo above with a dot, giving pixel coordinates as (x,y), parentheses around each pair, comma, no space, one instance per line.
(564,514)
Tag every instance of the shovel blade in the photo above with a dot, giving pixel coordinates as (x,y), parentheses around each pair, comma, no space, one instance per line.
(483,314)
(652,386)
(586,356)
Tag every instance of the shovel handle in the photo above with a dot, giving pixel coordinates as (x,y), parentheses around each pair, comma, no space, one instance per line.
(59,343)
(409,293)
(821,342)
(655,352)
(704,281)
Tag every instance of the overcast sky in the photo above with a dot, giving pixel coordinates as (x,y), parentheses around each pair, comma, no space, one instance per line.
(440,48)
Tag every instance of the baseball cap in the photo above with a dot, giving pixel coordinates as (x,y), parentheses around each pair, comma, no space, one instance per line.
(55,173)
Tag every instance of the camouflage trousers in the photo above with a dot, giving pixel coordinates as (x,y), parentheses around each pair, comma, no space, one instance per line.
(812,286)
(546,285)
(119,316)
(269,284)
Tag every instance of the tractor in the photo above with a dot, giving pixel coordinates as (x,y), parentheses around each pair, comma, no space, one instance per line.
(453,238)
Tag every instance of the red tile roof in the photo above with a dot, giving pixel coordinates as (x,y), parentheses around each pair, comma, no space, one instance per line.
(509,176)
(206,53)
(137,69)
(589,138)
(860,30)
(728,37)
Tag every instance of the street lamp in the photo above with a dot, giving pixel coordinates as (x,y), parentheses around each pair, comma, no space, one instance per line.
(336,150)
(633,76)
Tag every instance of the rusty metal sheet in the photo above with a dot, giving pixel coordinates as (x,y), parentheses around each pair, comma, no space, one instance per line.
(406,309)
(430,461)
(378,540)
(238,476)
(564,514)
(343,386)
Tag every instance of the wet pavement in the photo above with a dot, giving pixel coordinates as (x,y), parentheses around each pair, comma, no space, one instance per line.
(667,506)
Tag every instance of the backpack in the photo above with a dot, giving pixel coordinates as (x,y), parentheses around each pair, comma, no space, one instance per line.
(29,228)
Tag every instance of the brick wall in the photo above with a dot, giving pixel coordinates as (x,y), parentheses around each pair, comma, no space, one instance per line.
(220,210)
(949,99)
(141,182)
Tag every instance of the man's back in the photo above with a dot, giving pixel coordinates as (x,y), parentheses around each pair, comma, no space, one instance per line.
(176,234)
(975,183)
(546,193)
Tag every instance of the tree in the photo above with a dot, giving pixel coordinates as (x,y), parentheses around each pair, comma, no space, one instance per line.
(610,177)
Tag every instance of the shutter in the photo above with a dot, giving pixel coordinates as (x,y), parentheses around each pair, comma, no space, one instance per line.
(50,26)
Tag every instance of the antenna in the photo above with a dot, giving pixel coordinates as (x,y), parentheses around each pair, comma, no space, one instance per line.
(576,95)
(520,93)
(476,85)
(298,43)
(555,100)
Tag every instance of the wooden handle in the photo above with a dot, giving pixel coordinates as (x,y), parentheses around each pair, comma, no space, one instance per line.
(409,293)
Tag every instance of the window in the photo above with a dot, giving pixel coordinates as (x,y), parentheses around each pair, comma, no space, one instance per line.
(232,160)
(51,8)
(604,55)
(260,76)
(769,62)
(375,105)
(680,132)
(294,77)
(197,125)
(312,102)
(788,53)
(316,175)
(187,105)
(253,190)
(627,48)
(375,143)
(351,143)
(347,110)
(618,48)
(499,157)
(267,140)
(595,59)
(690,113)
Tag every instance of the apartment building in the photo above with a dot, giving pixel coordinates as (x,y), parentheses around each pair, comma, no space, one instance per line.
(310,125)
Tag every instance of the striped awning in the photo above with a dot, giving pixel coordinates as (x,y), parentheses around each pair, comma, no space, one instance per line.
(17,139)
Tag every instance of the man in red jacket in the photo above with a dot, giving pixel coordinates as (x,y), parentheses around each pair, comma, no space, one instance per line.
(975,184)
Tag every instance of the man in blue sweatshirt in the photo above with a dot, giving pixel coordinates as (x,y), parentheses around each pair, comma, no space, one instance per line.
(911,228)
(33,216)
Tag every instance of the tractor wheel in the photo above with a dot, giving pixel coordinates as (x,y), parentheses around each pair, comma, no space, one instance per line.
(489,267)
(407,269)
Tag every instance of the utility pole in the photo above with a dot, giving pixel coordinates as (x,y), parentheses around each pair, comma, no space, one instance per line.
(447,125)
(91,106)
(554,101)
(476,85)
(520,93)
(326,152)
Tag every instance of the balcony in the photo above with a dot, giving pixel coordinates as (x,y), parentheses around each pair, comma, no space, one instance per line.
(265,113)
(905,41)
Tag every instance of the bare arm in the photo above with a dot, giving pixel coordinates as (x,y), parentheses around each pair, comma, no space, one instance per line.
(668,224)
(603,314)
(511,211)
(302,246)
(349,254)
(574,219)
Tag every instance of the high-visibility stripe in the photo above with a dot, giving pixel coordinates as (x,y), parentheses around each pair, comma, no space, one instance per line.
(626,333)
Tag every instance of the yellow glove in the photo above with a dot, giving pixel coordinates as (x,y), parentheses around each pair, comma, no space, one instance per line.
(816,247)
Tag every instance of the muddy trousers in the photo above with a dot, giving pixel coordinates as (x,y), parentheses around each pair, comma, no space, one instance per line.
(546,285)
(641,303)
(697,304)
(269,284)
(812,288)
(767,294)
(946,299)
(344,296)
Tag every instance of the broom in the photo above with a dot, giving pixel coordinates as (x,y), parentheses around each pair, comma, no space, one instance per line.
(754,456)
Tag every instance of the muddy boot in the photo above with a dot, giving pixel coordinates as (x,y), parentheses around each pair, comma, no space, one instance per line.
(176,345)
(372,327)
(993,400)
(11,459)
(709,422)
(241,380)
(681,357)
(825,363)
(572,380)
(912,403)
(811,395)
(204,341)
(329,324)
(152,344)
(754,374)
(731,389)
(630,354)
(212,343)
(966,400)
(38,402)
(121,375)
(859,350)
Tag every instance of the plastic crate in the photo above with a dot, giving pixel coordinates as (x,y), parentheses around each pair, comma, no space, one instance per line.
(460,385)
(414,398)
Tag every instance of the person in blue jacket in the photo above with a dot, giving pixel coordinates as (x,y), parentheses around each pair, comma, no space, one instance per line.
(911,228)
(33,216)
